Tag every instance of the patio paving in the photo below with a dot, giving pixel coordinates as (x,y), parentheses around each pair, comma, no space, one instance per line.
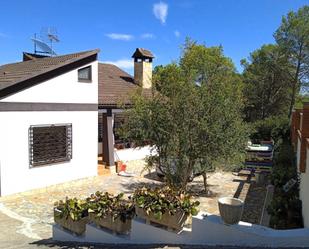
(33,210)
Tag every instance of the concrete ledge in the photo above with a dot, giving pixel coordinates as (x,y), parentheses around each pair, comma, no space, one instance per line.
(143,233)
(61,234)
(99,235)
(207,229)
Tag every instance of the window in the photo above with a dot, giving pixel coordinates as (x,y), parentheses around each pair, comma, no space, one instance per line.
(84,74)
(50,144)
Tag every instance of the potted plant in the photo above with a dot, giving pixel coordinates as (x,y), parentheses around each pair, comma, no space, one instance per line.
(164,206)
(230,209)
(111,212)
(71,214)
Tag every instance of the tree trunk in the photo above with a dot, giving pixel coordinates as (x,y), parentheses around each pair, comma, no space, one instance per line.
(204,174)
(295,82)
(293,98)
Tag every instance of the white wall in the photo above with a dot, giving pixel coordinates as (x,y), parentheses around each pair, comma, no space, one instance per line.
(61,89)
(133,153)
(16,176)
(304,194)
(15,173)
(207,229)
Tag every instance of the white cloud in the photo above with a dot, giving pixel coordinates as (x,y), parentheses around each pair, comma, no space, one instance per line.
(148,36)
(122,63)
(122,37)
(177,33)
(160,11)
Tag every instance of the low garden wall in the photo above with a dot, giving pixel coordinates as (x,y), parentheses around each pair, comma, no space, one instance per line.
(133,153)
(207,229)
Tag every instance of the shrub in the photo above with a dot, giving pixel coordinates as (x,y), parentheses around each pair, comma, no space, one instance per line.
(285,209)
(161,200)
(105,204)
(74,208)
(275,127)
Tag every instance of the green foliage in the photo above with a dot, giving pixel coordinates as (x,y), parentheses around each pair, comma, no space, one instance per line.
(285,209)
(274,127)
(194,117)
(275,75)
(105,204)
(164,200)
(293,39)
(300,100)
(267,85)
(73,208)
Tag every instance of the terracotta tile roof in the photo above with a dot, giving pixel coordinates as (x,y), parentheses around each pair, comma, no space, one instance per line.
(142,53)
(116,86)
(12,74)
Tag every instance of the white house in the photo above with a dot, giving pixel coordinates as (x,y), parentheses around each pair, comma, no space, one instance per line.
(49,109)
(48,120)
(300,140)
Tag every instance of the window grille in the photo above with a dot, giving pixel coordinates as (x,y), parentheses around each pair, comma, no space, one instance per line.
(84,74)
(50,144)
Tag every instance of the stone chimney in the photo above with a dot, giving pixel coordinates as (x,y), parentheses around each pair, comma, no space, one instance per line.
(143,67)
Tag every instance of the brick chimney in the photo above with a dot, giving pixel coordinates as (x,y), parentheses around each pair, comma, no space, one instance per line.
(143,67)
(304,130)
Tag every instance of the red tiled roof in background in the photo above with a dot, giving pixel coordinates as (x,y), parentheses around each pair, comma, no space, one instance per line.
(115,86)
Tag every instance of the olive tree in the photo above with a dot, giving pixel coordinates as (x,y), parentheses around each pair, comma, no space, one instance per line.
(193,116)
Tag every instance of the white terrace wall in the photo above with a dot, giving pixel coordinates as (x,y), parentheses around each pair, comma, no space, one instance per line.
(15,173)
(206,230)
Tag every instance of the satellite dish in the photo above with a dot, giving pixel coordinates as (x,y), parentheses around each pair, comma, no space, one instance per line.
(45,43)
(45,49)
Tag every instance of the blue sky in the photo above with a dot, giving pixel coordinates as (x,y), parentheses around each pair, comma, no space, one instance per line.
(118,27)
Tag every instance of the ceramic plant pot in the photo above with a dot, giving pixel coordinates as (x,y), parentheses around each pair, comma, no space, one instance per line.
(116,225)
(230,209)
(176,221)
(77,227)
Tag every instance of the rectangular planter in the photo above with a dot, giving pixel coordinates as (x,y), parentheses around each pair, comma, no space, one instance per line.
(77,227)
(176,221)
(117,225)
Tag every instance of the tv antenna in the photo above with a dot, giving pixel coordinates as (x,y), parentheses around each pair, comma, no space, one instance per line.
(44,42)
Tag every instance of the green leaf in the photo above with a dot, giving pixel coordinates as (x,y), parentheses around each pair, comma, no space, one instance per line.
(72,215)
(194,211)
(158,215)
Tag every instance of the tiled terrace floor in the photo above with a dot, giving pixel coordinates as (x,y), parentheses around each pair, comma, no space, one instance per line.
(34,208)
